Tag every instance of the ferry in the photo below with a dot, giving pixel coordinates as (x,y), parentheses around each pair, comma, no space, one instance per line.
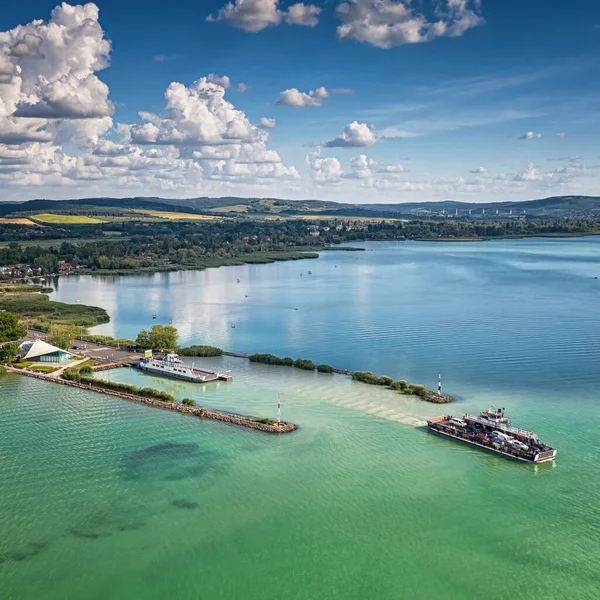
(172,366)
(492,431)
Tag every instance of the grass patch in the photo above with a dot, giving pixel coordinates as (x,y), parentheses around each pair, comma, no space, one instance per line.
(22,364)
(263,420)
(43,369)
(56,219)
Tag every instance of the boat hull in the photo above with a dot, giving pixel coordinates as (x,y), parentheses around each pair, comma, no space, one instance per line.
(174,375)
(537,459)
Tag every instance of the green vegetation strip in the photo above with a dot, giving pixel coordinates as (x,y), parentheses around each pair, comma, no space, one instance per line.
(364,376)
(126,388)
(41,312)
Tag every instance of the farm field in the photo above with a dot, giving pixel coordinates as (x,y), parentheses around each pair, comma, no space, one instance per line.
(16,221)
(175,216)
(56,219)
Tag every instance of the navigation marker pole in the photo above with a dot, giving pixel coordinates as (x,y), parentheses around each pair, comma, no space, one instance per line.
(278,410)
(439,384)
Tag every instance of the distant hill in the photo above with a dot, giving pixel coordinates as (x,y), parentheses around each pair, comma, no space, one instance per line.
(554,207)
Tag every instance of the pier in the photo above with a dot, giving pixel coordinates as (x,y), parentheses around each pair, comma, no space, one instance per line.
(216,415)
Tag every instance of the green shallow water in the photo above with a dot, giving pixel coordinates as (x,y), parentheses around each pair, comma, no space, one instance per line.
(102,498)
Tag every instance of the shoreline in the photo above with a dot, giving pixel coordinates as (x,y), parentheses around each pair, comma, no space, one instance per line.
(215,415)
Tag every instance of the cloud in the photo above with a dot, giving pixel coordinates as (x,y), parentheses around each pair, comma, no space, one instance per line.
(355,135)
(324,170)
(530,174)
(303,14)
(266,123)
(198,114)
(342,91)
(49,68)
(209,135)
(529,135)
(297,99)
(255,15)
(223,81)
(562,134)
(388,23)
(373,172)
(479,171)
(243,87)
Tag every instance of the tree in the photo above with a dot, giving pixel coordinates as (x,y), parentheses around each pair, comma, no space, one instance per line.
(143,340)
(62,335)
(47,262)
(9,351)
(103,262)
(9,328)
(160,337)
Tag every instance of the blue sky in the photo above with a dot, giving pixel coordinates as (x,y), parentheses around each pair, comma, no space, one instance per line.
(364,100)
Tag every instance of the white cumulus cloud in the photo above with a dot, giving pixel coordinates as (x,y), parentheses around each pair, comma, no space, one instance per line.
(48,69)
(266,123)
(355,135)
(388,23)
(303,14)
(256,15)
(324,170)
(223,81)
(480,171)
(562,134)
(297,99)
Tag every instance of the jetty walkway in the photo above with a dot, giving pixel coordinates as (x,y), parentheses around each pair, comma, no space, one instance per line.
(216,415)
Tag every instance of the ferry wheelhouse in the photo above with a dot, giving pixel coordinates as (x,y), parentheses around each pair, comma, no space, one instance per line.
(492,430)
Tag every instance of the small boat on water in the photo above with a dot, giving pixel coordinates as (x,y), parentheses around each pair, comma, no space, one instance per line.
(492,431)
(172,366)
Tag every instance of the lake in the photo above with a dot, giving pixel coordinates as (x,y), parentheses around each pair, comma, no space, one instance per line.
(100,498)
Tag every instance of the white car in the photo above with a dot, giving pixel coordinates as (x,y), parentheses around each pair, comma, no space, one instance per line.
(518,445)
(457,422)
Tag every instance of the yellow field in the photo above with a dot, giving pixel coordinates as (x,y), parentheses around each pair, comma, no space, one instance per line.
(16,221)
(55,219)
(175,216)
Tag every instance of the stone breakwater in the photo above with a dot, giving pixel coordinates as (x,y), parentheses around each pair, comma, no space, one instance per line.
(216,415)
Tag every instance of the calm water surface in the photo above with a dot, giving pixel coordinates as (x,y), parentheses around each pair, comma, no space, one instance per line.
(100,498)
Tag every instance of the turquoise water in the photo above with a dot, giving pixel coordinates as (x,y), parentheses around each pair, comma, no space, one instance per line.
(101,498)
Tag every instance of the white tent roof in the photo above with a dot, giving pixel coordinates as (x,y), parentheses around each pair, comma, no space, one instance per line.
(39,348)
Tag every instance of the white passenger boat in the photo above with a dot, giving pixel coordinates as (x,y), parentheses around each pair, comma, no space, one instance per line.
(172,366)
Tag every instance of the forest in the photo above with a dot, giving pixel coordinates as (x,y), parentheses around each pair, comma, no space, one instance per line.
(176,245)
